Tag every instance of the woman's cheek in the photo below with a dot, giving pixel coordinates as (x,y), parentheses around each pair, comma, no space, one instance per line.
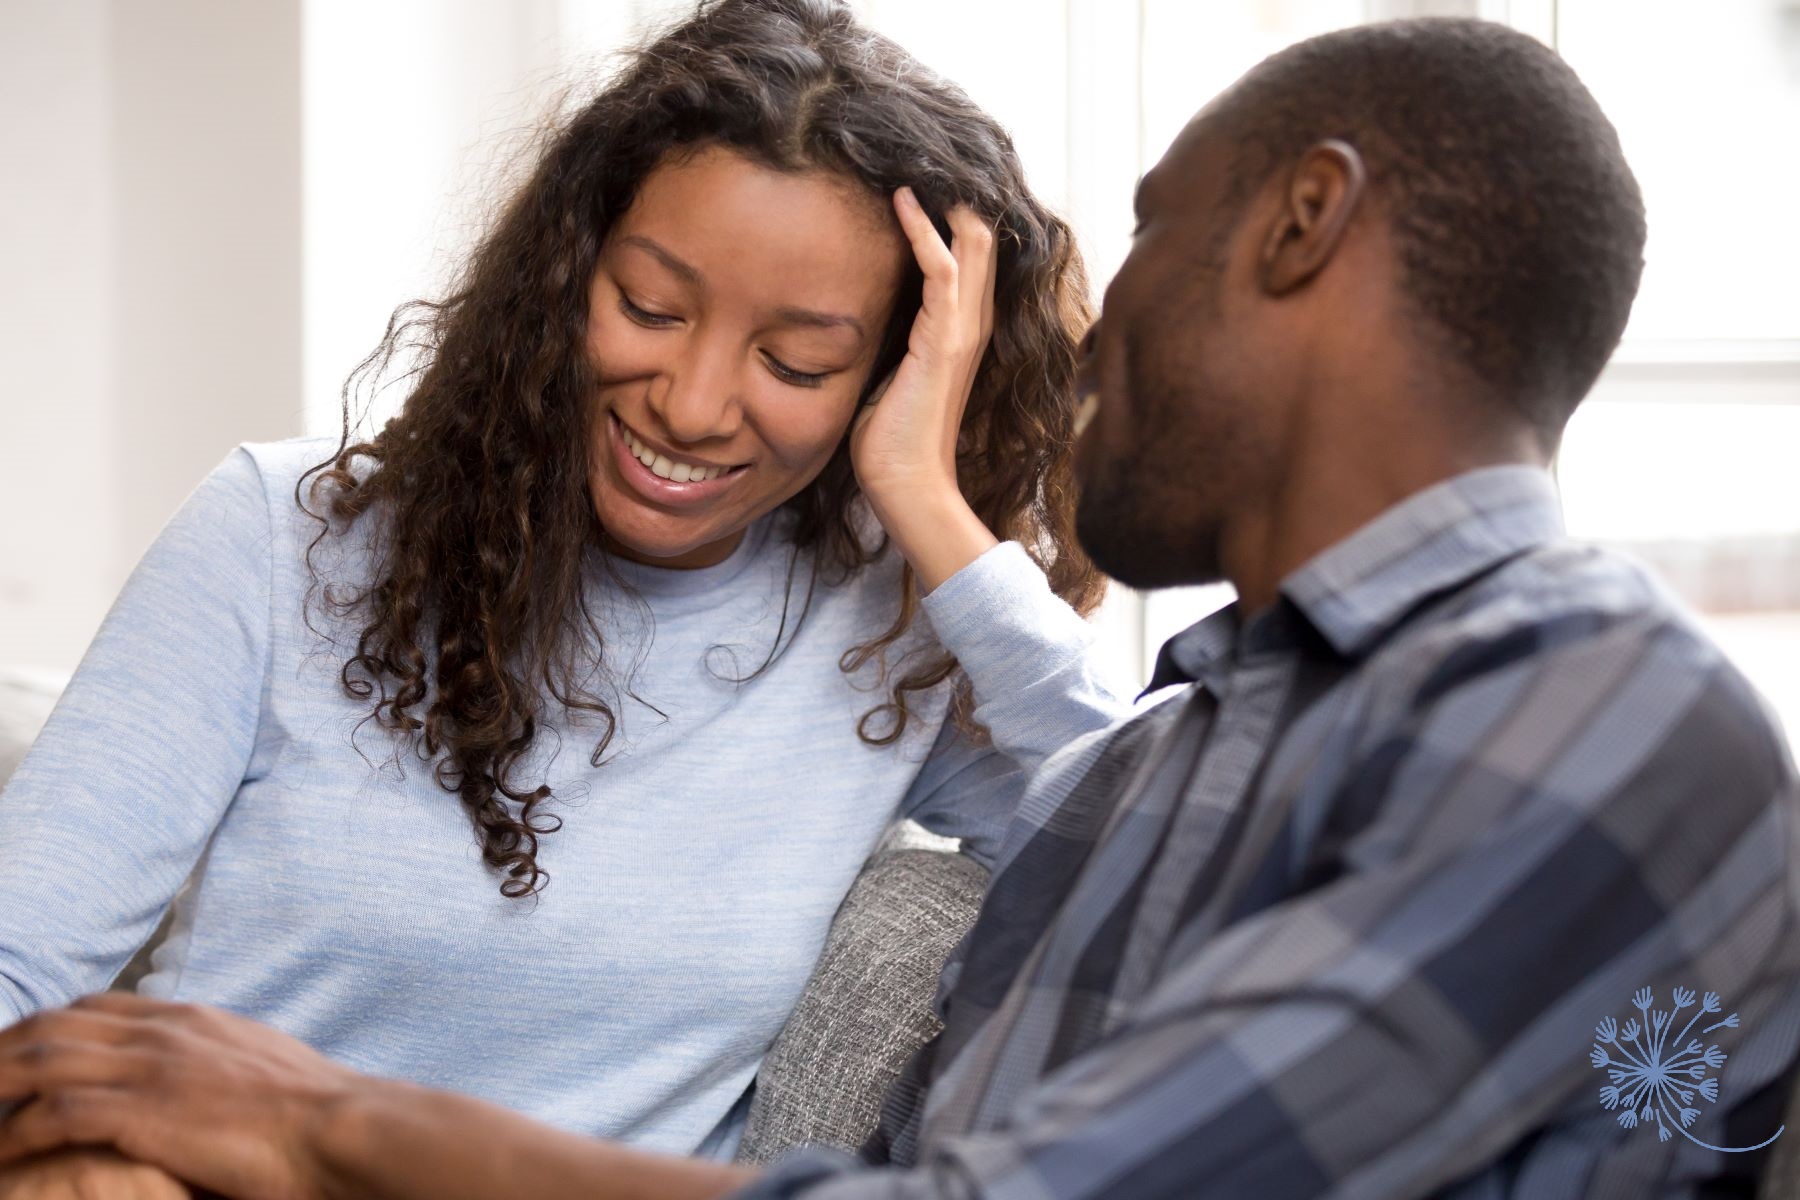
(804,426)
(621,350)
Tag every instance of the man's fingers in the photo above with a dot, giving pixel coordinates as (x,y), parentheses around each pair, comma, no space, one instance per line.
(84,1116)
(65,1048)
(128,1004)
(41,1067)
(70,1024)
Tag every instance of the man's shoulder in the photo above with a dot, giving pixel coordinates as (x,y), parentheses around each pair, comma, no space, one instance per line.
(1073,793)
(1569,634)
(1563,599)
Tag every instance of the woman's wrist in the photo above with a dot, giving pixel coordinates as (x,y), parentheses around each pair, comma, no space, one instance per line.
(933,527)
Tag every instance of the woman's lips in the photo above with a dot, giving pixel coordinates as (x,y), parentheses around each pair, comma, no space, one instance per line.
(653,487)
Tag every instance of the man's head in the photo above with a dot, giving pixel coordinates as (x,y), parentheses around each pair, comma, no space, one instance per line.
(1418,237)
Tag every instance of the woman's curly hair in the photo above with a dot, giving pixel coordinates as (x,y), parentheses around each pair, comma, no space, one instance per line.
(474,615)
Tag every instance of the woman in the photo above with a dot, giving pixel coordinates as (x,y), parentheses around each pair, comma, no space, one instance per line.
(712,419)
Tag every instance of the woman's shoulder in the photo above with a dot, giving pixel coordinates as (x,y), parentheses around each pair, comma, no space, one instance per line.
(283,472)
(259,491)
(280,465)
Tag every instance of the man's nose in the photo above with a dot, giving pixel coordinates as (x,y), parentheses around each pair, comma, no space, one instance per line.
(1084,355)
(1086,346)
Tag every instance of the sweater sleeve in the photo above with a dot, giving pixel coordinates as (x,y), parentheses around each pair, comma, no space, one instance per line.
(108,813)
(1037,688)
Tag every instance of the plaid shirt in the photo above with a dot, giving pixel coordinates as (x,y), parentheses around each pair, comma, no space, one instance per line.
(1341,917)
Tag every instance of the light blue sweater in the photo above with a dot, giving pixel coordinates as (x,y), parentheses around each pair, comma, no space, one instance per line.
(336,892)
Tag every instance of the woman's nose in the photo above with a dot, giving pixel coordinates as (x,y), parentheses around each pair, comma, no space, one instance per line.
(701,401)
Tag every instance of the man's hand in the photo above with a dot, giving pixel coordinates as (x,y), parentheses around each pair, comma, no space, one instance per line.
(211,1097)
(87,1175)
(236,1108)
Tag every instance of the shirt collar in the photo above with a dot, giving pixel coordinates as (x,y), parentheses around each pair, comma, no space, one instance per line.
(1359,588)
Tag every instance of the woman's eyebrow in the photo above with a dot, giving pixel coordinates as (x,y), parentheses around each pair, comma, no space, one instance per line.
(786,315)
(676,266)
(818,320)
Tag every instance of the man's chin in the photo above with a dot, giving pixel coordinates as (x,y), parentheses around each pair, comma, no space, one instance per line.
(1122,542)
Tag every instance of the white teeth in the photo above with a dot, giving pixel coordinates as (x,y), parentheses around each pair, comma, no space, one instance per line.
(662,467)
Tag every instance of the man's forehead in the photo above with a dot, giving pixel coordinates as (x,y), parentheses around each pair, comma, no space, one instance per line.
(1190,165)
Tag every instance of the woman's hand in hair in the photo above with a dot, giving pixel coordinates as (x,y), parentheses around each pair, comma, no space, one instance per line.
(904,442)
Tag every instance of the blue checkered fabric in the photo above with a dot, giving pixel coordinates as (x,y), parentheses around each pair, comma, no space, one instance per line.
(1340,918)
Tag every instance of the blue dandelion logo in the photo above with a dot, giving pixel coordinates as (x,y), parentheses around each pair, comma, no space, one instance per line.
(1654,1077)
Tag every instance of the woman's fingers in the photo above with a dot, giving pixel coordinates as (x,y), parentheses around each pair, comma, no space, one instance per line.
(977,267)
(956,316)
(88,1175)
(972,245)
(987,291)
(934,258)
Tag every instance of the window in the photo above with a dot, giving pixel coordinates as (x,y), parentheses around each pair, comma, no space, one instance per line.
(1683,455)
(1680,454)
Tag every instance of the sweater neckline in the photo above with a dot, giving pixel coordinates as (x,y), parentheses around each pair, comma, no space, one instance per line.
(690,586)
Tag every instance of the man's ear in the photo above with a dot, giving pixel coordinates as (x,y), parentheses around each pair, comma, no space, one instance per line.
(1321,196)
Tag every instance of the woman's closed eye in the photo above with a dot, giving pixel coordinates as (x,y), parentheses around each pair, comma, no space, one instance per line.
(643,316)
(639,315)
(787,374)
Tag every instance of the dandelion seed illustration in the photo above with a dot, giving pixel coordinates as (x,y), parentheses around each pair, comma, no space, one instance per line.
(1650,1072)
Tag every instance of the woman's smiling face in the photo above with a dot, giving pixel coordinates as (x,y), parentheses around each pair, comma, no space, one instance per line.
(733,319)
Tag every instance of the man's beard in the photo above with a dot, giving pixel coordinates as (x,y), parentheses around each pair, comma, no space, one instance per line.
(1117,528)
(1136,515)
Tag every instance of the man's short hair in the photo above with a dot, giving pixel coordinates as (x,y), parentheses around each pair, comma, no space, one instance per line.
(1519,226)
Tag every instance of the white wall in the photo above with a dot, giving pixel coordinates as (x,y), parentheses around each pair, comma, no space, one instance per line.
(58,446)
(413,110)
(150,309)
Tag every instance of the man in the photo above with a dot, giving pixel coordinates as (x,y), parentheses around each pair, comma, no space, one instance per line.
(1440,793)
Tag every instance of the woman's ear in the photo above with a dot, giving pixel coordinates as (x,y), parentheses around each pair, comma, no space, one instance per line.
(1321,197)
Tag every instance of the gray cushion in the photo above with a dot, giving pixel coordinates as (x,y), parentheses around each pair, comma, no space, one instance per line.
(868,1006)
